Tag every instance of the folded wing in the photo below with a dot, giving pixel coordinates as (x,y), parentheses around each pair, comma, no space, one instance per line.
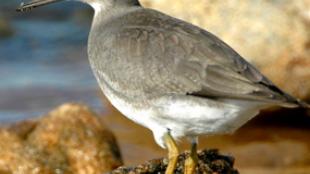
(179,58)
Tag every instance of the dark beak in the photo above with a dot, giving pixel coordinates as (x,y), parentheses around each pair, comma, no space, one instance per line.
(33,4)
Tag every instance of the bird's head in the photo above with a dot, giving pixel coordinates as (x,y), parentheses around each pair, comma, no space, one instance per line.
(94,3)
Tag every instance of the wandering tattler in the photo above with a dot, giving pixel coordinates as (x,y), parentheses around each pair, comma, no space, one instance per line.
(172,77)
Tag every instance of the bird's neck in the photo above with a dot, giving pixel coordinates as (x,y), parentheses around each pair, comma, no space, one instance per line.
(111,5)
(105,11)
(99,6)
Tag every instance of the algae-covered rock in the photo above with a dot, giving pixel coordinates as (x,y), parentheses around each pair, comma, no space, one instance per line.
(210,162)
(70,139)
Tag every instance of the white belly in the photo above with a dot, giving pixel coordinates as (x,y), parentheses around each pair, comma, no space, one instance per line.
(188,116)
(185,115)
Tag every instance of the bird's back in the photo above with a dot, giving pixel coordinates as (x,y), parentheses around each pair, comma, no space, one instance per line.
(147,54)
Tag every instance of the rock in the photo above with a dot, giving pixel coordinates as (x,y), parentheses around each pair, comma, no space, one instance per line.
(276,154)
(292,74)
(273,35)
(70,139)
(210,162)
(13,156)
(300,9)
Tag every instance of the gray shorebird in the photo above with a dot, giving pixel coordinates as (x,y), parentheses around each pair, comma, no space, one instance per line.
(171,76)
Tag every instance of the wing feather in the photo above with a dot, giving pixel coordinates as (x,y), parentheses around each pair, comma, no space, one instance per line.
(176,57)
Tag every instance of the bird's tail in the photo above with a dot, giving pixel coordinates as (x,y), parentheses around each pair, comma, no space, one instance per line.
(303,104)
(292,102)
(295,103)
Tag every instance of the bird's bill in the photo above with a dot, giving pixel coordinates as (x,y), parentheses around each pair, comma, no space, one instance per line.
(33,4)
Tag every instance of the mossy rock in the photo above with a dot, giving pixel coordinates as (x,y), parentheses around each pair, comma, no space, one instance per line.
(210,162)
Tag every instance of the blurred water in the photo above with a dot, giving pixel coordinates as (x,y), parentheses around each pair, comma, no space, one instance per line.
(44,63)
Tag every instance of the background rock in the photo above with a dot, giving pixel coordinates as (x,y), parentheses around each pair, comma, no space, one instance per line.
(13,156)
(274,35)
(70,139)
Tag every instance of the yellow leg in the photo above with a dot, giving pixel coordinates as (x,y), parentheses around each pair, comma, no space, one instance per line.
(192,160)
(173,153)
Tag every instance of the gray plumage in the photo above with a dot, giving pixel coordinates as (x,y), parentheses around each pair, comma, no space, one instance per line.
(149,54)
